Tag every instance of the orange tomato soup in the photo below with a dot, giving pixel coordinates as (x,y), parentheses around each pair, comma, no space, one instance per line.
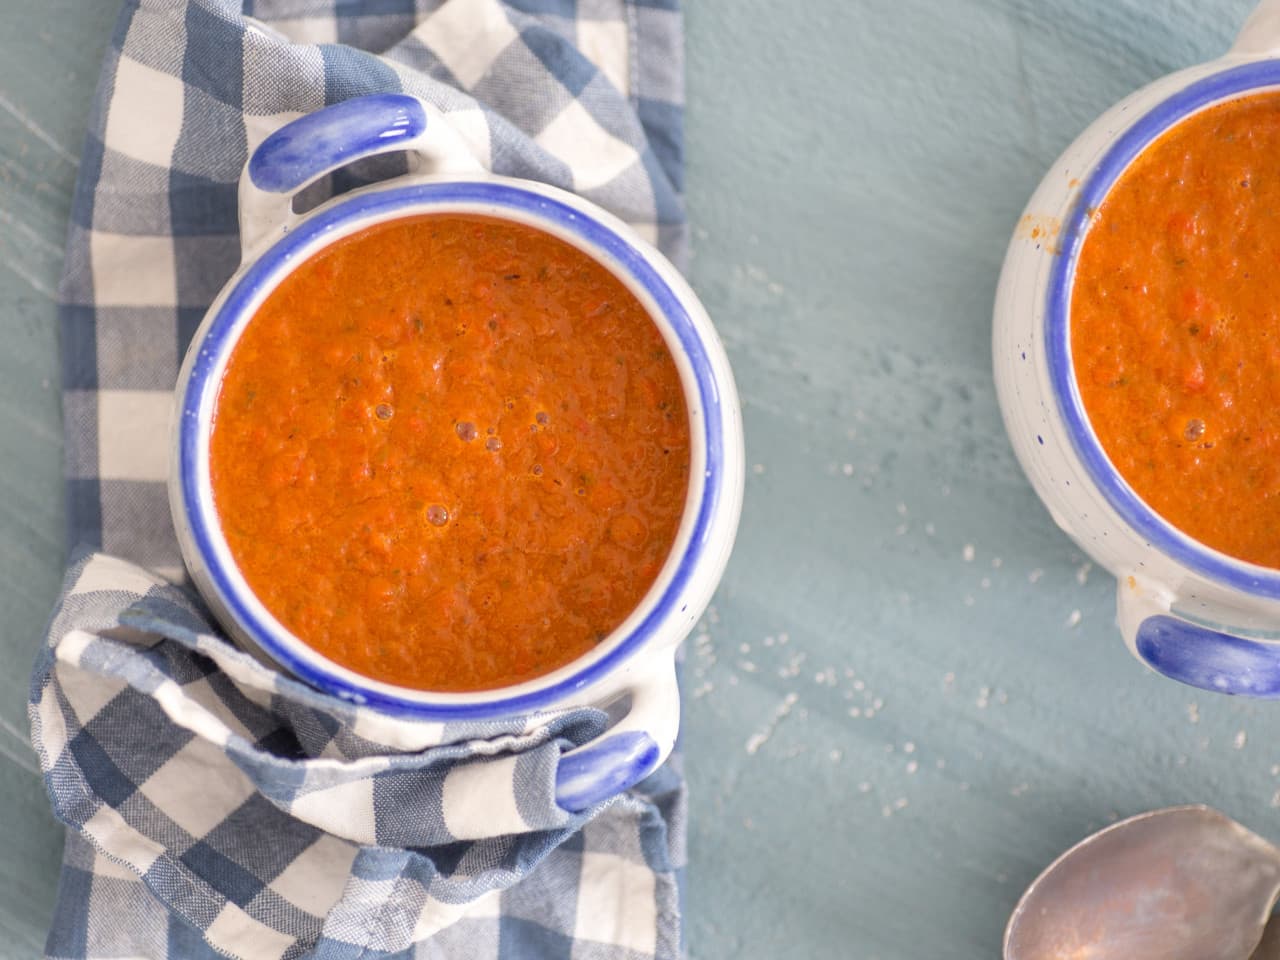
(451,452)
(1175,327)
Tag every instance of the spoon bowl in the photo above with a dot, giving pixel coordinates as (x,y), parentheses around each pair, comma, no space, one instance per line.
(1182,883)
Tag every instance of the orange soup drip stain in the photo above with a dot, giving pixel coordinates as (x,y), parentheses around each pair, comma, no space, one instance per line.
(1175,327)
(1041,229)
(451,453)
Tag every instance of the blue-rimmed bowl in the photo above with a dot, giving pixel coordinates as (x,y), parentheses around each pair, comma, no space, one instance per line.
(635,664)
(1189,611)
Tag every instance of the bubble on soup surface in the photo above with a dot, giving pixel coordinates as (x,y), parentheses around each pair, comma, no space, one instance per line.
(466,430)
(1194,430)
(493,444)
(437,515)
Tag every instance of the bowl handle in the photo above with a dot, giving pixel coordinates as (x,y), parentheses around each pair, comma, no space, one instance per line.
(1194,654)
(305,149)
(627,752)
(1260,35)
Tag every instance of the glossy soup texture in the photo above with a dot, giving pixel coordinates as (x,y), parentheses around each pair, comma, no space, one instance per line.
(1175,327)
(451,453)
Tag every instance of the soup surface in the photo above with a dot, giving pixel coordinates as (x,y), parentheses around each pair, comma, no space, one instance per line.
(1175,327)
(451,452)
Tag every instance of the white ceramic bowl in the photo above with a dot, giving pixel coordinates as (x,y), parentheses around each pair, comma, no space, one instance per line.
(1187,610)
(633,667)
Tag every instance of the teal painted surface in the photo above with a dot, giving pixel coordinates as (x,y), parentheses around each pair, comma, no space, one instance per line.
(49,59)
(854,174)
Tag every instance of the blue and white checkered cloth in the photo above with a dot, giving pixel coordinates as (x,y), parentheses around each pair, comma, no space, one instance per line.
(215,807)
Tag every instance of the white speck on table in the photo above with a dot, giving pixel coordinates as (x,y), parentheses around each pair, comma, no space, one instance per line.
(780,712)
(792,668)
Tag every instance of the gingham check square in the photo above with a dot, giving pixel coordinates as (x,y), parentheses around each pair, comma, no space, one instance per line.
(215,807)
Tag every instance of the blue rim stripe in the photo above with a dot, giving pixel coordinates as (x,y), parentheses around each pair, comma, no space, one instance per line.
(389,201)
(1158,532)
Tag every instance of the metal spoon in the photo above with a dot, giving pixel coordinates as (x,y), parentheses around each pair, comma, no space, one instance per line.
(1183,883)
